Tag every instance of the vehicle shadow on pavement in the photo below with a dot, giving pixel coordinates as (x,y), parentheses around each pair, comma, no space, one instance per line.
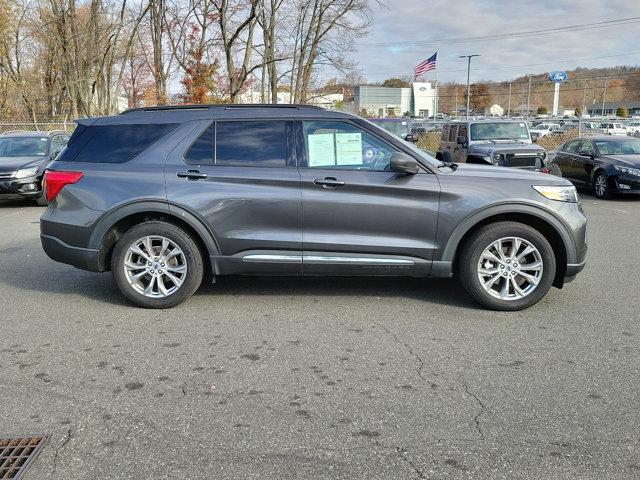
(46,276)
(16,201)
(437,291)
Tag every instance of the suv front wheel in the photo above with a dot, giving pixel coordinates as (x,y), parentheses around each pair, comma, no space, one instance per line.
(507,266)
(157,265)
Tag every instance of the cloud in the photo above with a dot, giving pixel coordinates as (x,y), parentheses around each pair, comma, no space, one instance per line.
(408,31)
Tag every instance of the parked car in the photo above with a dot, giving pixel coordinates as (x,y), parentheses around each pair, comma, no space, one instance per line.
(505,143)
(161,196)
(544,129)
(23,158)
(608,165)
(633,127)
(610,128)
(397,126)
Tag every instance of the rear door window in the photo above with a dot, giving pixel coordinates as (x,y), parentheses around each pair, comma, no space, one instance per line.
(571,146)
(113,143)
(251,143)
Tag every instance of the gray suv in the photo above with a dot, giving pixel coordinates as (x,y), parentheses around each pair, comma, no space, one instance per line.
(166,196)
(506,143)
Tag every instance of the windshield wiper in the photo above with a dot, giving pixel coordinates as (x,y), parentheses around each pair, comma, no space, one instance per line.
(453,166)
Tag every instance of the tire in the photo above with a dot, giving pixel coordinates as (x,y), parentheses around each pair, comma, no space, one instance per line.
(182,257)
(601,187)
(554,169)
(470,269)
(42,201)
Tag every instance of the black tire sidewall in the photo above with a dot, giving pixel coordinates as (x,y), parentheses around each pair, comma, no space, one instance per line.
(193,258)
(607,192)
(478,242)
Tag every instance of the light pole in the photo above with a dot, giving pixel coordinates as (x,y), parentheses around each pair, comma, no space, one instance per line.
(529,96)
(468,57)
(604,95)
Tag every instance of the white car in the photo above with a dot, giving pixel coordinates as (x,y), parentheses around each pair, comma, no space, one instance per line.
(633,127)
(613,129)
(545,129)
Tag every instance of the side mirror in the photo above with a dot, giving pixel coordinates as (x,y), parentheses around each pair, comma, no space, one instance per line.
(401,162)
(410,137)
(461,140)
(585,153)
(534,138)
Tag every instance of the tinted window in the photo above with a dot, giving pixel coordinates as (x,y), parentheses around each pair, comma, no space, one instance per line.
(342,145)
(113,143)
(462,131)
(251,143)
(201,151)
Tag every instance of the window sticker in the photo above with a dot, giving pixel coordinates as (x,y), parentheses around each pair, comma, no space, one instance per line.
(321,151)
(349,148)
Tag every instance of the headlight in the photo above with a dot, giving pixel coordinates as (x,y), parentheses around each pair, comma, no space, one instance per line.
(628,170)
(26,172)
(542,155)
(556,192)
(497,156)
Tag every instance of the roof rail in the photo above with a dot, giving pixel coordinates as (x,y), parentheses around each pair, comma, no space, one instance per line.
(221,106)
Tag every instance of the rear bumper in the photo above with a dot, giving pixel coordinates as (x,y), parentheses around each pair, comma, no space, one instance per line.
(56,249)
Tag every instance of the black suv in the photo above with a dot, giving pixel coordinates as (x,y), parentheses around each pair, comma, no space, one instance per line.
(163,196)
(23,159)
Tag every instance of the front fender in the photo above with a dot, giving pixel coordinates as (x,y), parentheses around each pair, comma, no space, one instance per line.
(443,266)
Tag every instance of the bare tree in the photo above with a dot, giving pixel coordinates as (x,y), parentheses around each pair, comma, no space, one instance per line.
(318,26)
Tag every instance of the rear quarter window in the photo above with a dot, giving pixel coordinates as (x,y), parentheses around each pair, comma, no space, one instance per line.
(112,143)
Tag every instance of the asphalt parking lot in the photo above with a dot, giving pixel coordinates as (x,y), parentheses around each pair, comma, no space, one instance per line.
(272,378)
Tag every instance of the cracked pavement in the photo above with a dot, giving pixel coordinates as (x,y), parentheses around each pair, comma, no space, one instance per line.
(287,378)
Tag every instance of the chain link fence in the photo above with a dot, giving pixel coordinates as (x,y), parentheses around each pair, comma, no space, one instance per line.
(6,127)
(430,141)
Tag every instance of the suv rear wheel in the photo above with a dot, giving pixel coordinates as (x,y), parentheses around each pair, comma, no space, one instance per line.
(157,265)
(507,266)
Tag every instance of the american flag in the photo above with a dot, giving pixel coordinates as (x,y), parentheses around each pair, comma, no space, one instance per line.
(427,65)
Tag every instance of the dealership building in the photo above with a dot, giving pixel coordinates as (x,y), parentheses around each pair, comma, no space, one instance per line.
(418,100)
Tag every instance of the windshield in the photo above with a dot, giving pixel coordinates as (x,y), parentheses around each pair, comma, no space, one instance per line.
(499,131)
(401,129)
(625,147)
(23,147)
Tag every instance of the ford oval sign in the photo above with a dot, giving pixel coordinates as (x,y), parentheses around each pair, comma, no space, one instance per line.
(558,77)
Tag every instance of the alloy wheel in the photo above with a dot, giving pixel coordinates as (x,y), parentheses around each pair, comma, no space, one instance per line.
(510,268)
(601,185)
(155,266)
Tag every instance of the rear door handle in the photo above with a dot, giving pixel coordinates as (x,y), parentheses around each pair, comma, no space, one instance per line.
(192,175)
(329,182)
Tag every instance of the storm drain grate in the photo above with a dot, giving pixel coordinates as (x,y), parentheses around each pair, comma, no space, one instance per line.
(17,453)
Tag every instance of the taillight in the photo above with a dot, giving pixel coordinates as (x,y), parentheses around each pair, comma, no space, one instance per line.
(55,181)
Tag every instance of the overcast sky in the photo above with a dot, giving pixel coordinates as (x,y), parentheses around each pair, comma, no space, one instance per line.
(407,32)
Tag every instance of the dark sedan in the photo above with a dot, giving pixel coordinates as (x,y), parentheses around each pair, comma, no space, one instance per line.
(23,159)
(607,165)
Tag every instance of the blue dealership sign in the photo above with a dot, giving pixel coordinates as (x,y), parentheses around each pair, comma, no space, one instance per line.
(558,77)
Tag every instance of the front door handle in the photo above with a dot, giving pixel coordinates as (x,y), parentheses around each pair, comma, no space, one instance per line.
(192,175)
(329,182)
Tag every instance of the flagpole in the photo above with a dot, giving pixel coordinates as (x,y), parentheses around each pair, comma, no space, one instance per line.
(435,107)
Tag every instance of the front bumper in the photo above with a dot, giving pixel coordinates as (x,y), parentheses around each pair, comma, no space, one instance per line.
(27,187)
(624,183)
